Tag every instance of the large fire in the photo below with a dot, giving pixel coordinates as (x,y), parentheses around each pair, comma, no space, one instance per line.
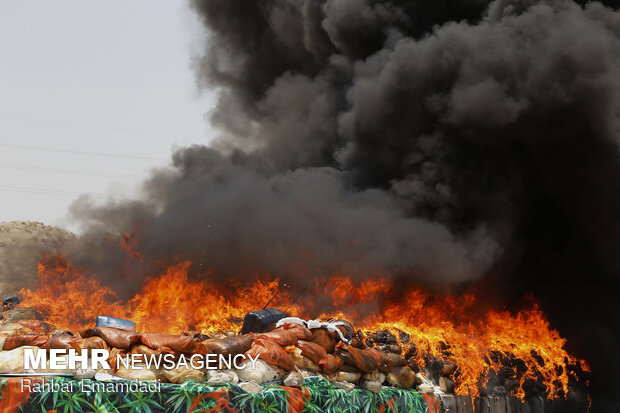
(427,326)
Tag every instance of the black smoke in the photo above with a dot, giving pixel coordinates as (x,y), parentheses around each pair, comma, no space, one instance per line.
(443,142)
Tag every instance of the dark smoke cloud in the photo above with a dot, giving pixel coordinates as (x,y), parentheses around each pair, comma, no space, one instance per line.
(442,142)
(228,215)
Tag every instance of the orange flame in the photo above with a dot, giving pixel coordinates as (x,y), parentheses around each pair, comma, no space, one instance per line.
(439,327)
(167,303)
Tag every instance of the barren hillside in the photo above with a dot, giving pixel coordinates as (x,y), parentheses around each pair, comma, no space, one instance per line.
(21,244)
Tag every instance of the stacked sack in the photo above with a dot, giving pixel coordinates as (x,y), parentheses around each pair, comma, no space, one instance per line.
(291,352)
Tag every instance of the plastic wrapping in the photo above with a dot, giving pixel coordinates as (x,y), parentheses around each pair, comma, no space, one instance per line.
(107,321)
(271,353)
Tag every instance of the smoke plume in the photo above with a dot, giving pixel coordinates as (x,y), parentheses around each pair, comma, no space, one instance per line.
(445,143)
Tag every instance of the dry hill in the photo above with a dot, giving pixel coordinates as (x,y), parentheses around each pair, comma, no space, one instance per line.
(21,244)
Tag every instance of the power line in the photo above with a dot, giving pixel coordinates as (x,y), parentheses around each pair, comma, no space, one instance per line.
(66,171)
(74,152)
(100,128)
(44,191)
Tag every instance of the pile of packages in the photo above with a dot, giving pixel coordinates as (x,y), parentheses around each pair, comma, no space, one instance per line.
(291,352)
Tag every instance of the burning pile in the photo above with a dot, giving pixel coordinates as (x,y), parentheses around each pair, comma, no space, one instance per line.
(371,146)
(419,341)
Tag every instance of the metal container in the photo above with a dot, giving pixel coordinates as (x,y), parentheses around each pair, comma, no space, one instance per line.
(107,321)
(261,321)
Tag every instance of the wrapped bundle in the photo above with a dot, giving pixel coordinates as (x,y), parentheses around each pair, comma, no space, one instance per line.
(396,359)
(300,361)
(89,343)
(271,352)
(12,361)
(36,326)
(170,343)
(196,335)
(386,362)
(115,353)
(324,339)
(302,332)
(228,346)
(115,337)
(145,350)
(314,352)
(365,360)
(15,341)
(61,339)
(287,335)
(333,363)
(14,329)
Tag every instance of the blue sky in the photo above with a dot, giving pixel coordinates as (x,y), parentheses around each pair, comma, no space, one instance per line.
(92,96)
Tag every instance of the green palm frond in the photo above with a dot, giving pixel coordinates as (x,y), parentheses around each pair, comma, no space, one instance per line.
(319,396)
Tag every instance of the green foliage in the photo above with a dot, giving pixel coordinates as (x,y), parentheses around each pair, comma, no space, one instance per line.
(320,397)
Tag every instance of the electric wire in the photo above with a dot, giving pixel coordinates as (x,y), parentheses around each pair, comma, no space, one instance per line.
(66,171)
(76,152)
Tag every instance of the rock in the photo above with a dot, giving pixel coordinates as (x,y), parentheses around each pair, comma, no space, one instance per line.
(82,374)
(223,377)
(182,374)
(309,373)
(251,387)
(143,373)
(446,385)
(348,376)
(372,386)
(343,385)
(402,377)
(374,376)
(294,379)
(425,388)
(261,374)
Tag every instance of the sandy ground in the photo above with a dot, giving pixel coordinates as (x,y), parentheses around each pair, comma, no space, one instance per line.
(21,244)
